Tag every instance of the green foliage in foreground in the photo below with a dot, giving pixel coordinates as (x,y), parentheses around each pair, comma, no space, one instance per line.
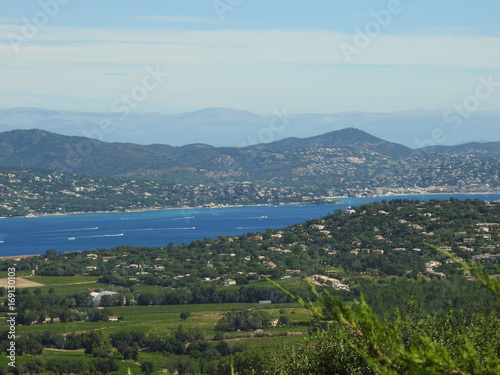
(358,342)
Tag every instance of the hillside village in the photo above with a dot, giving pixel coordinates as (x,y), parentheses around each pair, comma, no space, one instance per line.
(33,193)
(347,162)
(29,193)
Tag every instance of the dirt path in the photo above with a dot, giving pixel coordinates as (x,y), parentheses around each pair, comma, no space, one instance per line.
(21,283)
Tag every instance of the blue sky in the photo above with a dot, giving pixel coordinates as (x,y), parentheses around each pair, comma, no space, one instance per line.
(248,54)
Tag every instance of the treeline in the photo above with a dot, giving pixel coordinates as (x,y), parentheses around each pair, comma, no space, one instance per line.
(187,347)
(197,293)
(44,308)
(38,307)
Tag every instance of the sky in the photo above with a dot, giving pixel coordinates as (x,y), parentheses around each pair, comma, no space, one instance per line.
(319,56)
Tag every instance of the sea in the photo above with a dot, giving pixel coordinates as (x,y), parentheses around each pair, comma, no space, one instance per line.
(80,232)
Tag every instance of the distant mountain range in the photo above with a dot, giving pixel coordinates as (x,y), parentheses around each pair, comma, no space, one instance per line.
(42,149)
(343,159)
(229,127)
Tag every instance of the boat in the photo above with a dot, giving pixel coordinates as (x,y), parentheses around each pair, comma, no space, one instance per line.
(71,238)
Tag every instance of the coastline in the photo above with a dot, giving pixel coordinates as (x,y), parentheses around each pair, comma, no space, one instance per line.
(163,209)
(241,205)
(18,257)
(332,203)
(417,195)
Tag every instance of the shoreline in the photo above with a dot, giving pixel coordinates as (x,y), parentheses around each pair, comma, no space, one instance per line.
(163,209)
(416,195)
(18,257)
(238,205)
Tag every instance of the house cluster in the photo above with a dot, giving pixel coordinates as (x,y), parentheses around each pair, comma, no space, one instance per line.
(429,268)
(325,280)
(485,256)
(482,231)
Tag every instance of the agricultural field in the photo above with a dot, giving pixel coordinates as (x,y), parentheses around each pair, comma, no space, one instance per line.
(146,319)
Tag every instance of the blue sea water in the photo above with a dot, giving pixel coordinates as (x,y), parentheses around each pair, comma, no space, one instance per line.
(35,235)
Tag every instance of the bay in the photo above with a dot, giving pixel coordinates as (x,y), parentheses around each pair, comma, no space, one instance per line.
(35,235)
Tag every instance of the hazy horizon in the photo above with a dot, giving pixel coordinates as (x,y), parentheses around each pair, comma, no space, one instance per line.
(177,57)
(226,127)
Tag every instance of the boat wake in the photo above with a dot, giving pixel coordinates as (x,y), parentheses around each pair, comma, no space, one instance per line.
(252,218)
(99,236)
(159,229)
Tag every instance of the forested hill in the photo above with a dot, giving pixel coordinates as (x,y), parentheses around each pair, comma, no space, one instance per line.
(347,161)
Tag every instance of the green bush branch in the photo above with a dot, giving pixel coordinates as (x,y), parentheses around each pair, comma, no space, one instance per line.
(381,344)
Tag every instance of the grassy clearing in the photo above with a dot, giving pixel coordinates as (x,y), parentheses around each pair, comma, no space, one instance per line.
(64,280)
(274,342)
(24,273)
(65,290)
(146,318)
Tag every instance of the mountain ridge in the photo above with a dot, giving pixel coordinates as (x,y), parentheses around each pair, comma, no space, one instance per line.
(343,160)
(231,127)
(38,148)
(349,137)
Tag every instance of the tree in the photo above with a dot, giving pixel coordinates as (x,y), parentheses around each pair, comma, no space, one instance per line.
(100,366)
(51,253)
(285,320)
(247,362)
(52,340)
(29,345)
(156,338)
(73,341)
(146,299)
(97,343)
(182,364)
(185,315)
(97,315)
(107,300)
(243,320)
(147,367)
(333,354)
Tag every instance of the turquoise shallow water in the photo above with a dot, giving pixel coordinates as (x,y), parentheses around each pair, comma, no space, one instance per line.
(23,236)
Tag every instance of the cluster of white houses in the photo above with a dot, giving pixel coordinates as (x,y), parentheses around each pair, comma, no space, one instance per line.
(324,280)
